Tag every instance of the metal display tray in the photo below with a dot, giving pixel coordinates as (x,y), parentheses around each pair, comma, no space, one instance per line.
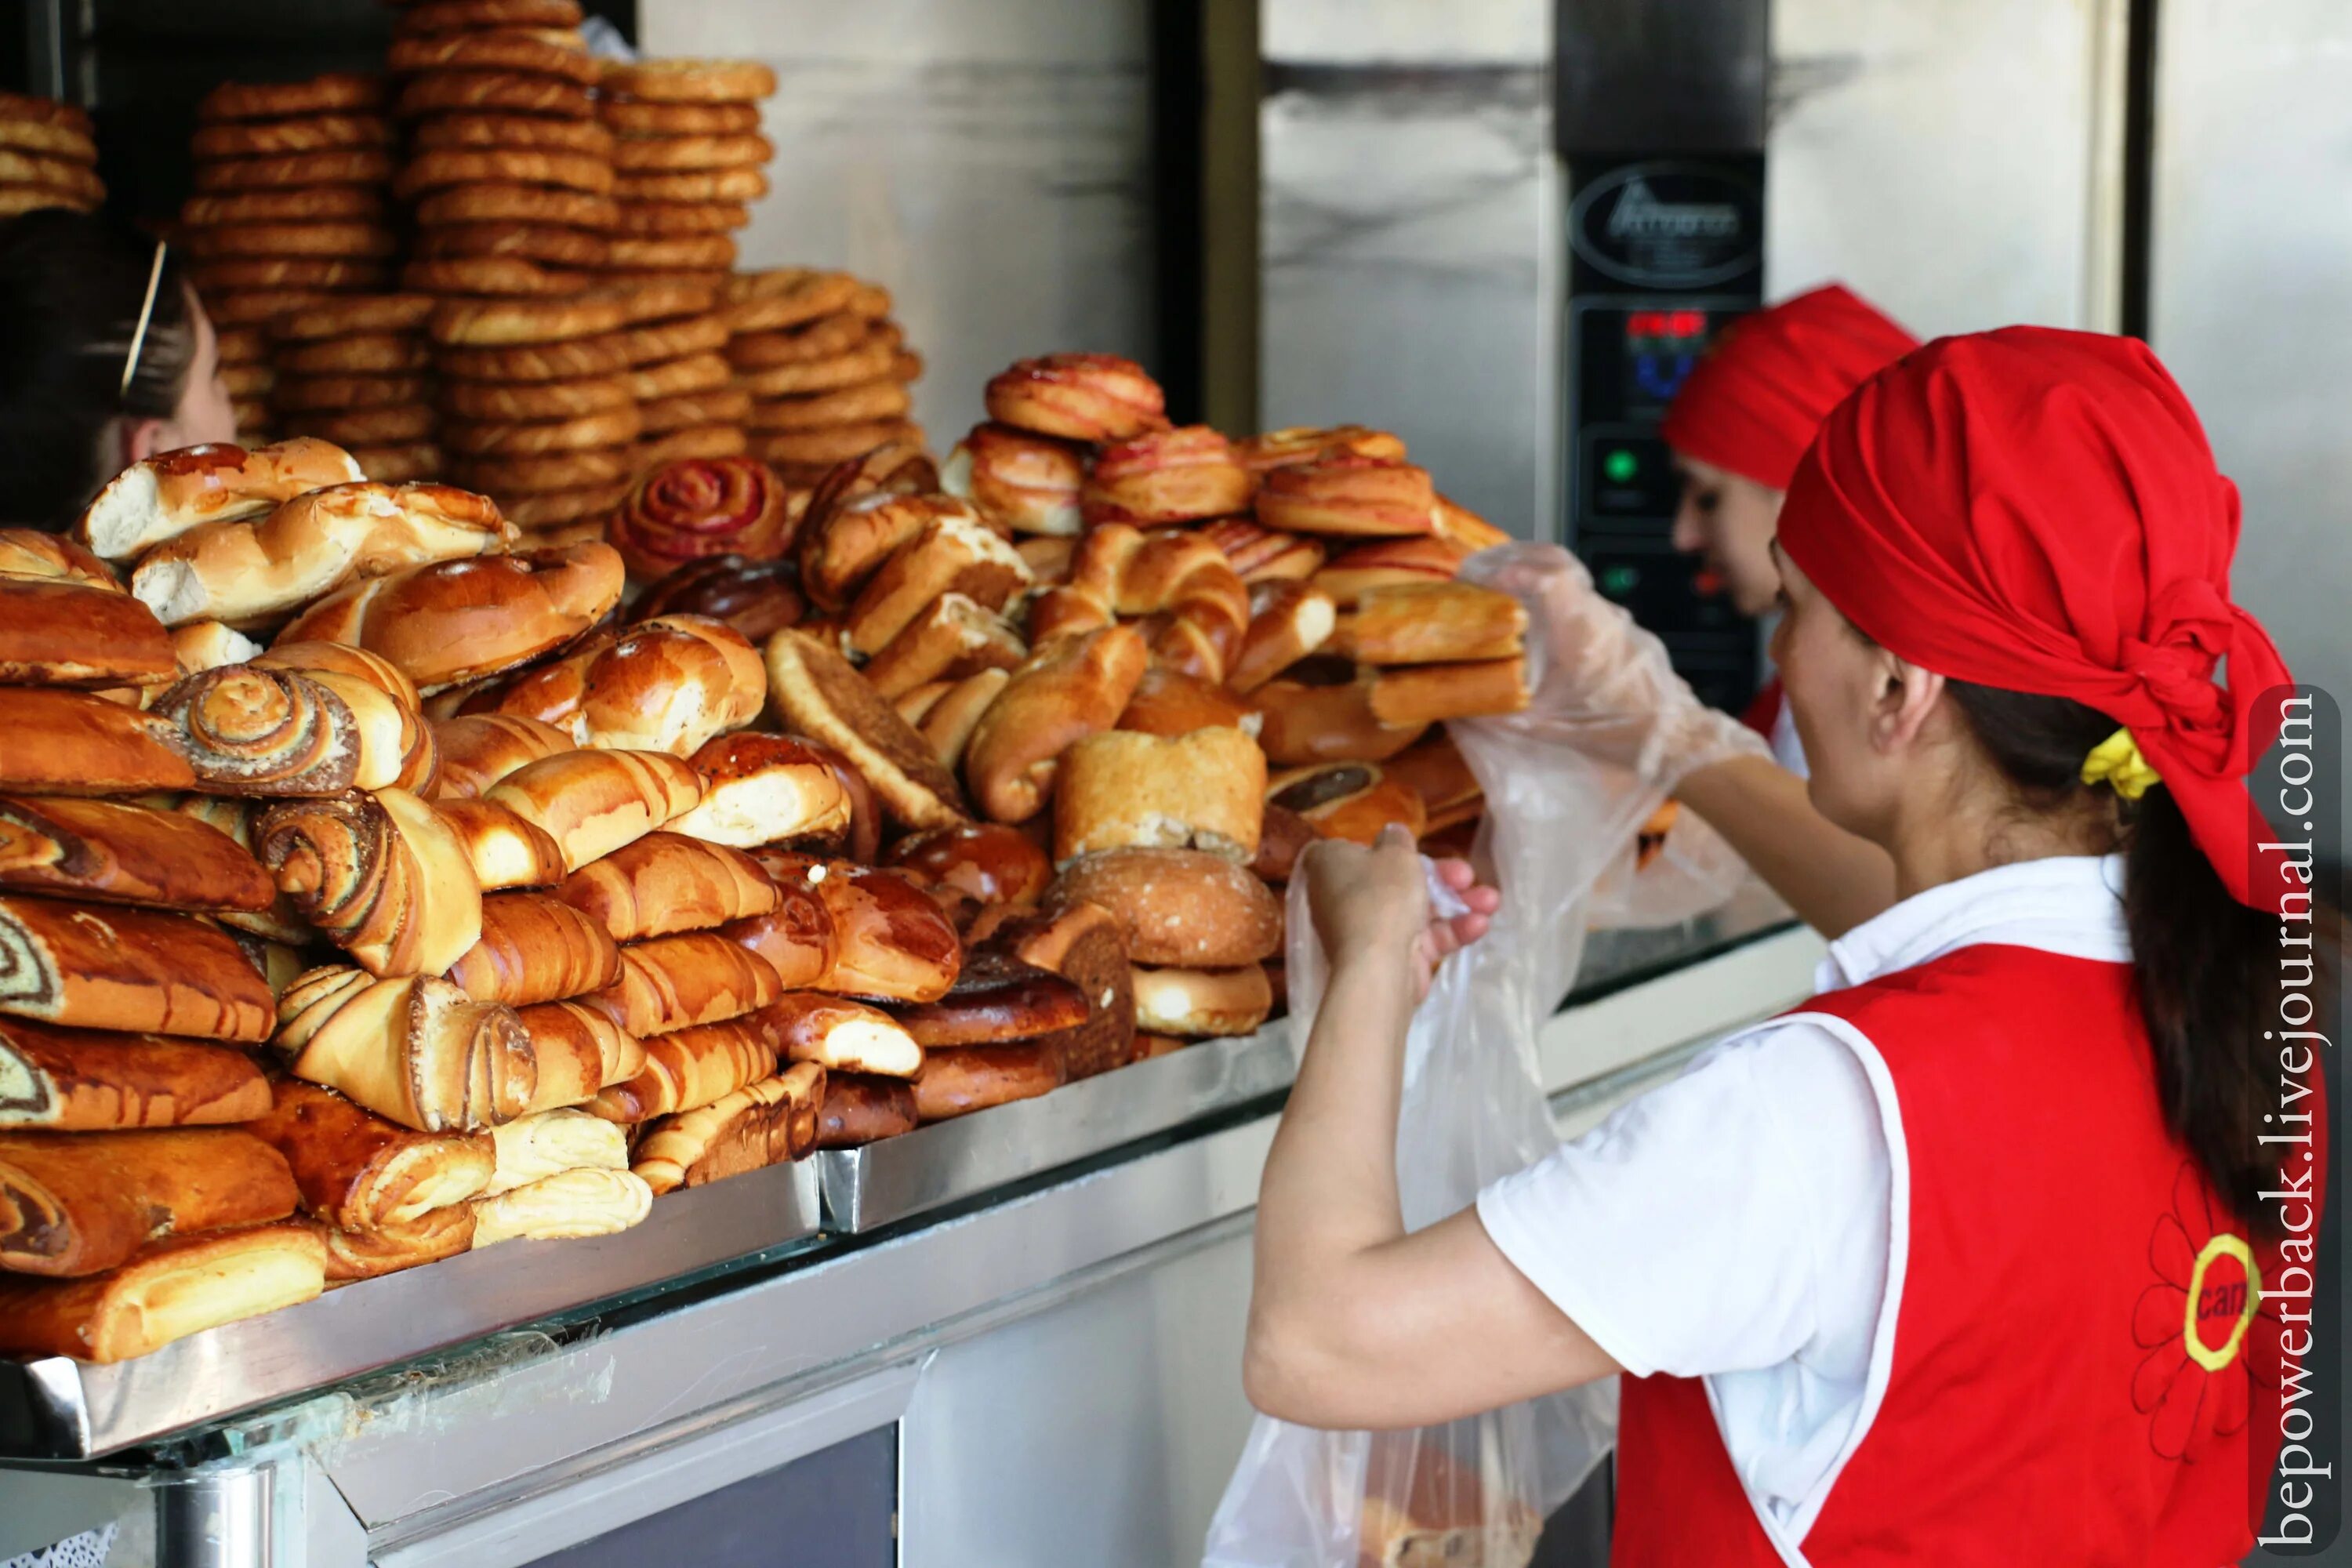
(60,1408)
(948,1161)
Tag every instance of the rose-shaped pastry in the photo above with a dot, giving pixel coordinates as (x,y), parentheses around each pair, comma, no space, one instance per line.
(687,510)
(248,730)
(1304,444)
(1080,397)
(1168,476)
(1028,483)
(1346,496)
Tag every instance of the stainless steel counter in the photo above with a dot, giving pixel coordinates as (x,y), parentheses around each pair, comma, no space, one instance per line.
(602,1382)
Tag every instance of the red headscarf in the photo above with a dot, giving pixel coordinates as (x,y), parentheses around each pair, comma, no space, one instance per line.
(2039,511)
(1755,401)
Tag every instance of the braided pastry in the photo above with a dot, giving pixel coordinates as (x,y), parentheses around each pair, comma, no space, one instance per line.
(490,49)
(1080,397)
(1123,570)
(525,132)
(383,875)
(684,511)
(263,731)
(336,93)
(431,169)
(1168,476)
(414,1049)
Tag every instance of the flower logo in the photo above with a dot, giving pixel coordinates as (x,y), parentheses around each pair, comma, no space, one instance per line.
(2194,1382)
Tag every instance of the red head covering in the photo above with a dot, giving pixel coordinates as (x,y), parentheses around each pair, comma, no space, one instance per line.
(2039,511)
(1755,401)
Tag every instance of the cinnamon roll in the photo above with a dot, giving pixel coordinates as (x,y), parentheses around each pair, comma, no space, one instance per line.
(248,731)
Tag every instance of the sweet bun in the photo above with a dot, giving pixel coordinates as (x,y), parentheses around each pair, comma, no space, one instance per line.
(795,938)
(1348,496)
(565,1206)
(665,883)
(891,940)
(995,999)
(56,632)
(758,598)
(159,497)
(90,1081)
(506,851)
(690,1068)
(118,853)
(1349,800)
(758,1125)
(40,557)
(1304,444)
(760,789)
(847,534)
(1196,1003)
(952,716)
(956,637)
(171,1288)
(820,696)
(1282,837)
(1321,711)
(574,1031)
(984,862)
(1464,529)
(1357,571)
(1079,398)
(1026,482)
(1431,622)
(684,511)
(860,1109)
(1071,688)
(1166,476)
(478,749)
(536,949)
(1288,622)
(664,685)
(1168,702)
(358,1172)
(955,1083)
(841,1035)
(1177,907)
(1426,694)
(1123,789)
(245,730)
(673,982)
(861,840)
(593,801)
(1450,793)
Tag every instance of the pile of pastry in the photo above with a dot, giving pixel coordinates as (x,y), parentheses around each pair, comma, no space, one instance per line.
(47,156)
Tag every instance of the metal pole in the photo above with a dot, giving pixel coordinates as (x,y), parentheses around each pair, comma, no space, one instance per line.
(214,1519)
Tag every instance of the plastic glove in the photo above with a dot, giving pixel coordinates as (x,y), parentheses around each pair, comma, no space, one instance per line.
(1599,682)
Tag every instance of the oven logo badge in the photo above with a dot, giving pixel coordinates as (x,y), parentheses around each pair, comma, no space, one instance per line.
(1667,226)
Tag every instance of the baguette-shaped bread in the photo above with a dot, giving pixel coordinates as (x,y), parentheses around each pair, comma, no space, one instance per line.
(535,1147)
(841,1035)
(861,1108)
(665,883)
(593,803)
(762,789)
(564,1207)
(61,633)
(1428,693)
(761,1124)
(578,1044)
(163,496)
(251,573)
(383,876)
(415,1048)
(77,743)
(357,1171)
(478,749)
(507,852)
(1070,688)
(116,853)
(87,1080)
(73,1203)
(678,982)
(534,949)
(396,744)
(353,1254)
(953,1083)
(1431,622)
(248,731)
(172,1289)
(103,967)
(890,939)
(688,1068)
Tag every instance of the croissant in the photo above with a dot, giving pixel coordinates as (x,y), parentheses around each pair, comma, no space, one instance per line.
(383,876)
(580,1051)
(665,883)
(478,749)
(593,803)
(415,1048)
(688,1068)
(534,949)
(263,731)
(676,982)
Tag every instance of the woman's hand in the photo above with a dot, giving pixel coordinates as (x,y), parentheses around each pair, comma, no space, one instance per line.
(1371,905)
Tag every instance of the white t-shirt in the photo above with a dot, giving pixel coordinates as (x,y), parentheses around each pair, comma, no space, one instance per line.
(1734,1224)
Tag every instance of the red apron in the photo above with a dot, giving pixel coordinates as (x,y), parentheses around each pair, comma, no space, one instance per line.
(2082,1370)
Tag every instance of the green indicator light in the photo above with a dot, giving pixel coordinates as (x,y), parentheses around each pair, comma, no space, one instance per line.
(1618,581)
(1621,466)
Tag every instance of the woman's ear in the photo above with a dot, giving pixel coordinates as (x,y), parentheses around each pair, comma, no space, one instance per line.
(142,438)
(1906,694)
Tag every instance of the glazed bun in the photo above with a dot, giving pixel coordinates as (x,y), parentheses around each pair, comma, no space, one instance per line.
(760,789)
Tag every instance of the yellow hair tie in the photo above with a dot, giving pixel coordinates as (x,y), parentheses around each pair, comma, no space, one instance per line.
(2116,762)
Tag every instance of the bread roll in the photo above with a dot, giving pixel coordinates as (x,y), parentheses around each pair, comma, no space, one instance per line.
(859,1109)
(1084,944)
(1069,690)
(985,862)
(74,1203)
(995,999)
(593,803)
(1432,623)
(172,1289)
(1360,569)
(161,497)
(1348,495)
(85,1080)
(534,948)
(1282,840)
(534,1147)
(1320,721)
(565,1206)
(39,556)
(1288,622)
(1177,907)
(823,698)
(1450,793)
(383,876)
(891,940)
(75,742)
(1432,692)
(248,731)
(953,1083)
(760,789)
(1168,703)
(358,1172)
(674,982)
(416,1049)
(506,851)
(576,1044)
(691,1068)
(761,1124)
(110,968)
(356,1255)
(667,882)
(758,598)
(795,938)
(396,746)
(1349,800)
(250,573)
(951,555)
(478,749)
(1079,398)
(666,685)
(841,1035)
(1198,1004)
(59,632)
(1122,789)
(1423,1503)
(844,538)
(111,852)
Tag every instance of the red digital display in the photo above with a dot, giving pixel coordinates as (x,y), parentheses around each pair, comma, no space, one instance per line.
(1641,325)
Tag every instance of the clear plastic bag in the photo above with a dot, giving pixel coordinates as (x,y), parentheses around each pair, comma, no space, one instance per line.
(1474,1493)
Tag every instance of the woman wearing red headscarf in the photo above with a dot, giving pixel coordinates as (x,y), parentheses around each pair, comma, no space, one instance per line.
(1978,1257)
